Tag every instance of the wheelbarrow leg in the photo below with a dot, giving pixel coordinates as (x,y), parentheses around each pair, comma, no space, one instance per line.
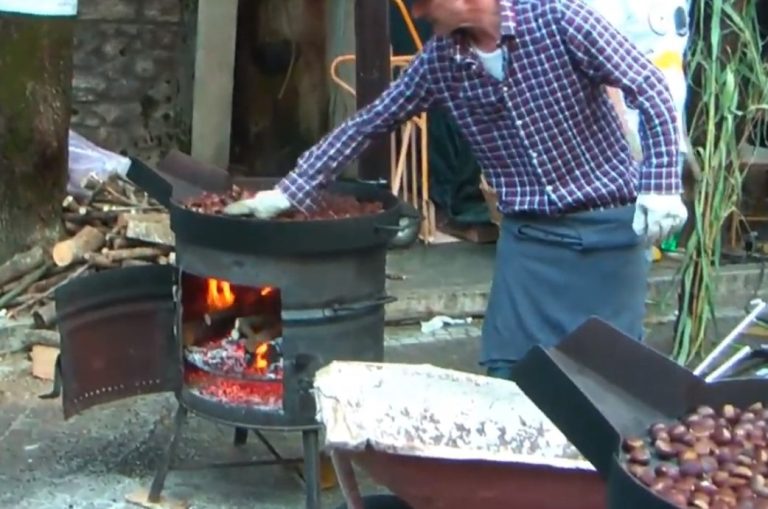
(347,480)
(311,442)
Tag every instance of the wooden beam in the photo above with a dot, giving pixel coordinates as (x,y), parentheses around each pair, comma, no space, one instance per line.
(372,47)
(214,81)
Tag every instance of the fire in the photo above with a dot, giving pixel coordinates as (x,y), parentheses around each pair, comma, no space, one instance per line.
(220,294)
(266,291)
(261,363)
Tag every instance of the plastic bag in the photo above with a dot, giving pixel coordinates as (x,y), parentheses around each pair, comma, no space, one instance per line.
(87,159)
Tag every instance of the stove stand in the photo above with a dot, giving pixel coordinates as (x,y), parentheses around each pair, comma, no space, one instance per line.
(309,475)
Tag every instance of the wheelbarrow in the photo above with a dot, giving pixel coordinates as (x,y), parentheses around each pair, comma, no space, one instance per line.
(443,439)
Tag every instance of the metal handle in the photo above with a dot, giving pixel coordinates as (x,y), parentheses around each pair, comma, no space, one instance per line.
(360,306)
(758,308)
(407,211)
(335,310)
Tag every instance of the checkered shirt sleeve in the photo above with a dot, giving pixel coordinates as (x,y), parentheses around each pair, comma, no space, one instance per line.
(406,97)
(607,56)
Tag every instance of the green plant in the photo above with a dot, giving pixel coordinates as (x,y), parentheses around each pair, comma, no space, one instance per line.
(730,87)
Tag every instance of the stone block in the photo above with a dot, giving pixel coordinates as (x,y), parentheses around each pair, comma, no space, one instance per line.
(108,9)
(162,10)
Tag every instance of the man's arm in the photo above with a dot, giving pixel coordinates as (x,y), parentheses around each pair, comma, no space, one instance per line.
(407,96)
(609,58)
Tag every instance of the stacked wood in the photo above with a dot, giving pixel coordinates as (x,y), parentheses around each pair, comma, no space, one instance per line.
(116,226)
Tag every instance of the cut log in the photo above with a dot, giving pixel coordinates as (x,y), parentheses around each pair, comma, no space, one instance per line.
(49,282)
(100,261)
(90,216)
(21,264)
(44,361)
(134,253)
(136,263)
(151,228)
(45,316)
(23,284)
(69,251)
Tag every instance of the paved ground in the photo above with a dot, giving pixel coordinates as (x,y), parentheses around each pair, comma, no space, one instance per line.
(94,460)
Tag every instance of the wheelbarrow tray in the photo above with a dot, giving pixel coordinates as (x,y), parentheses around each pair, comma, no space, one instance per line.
(443,439)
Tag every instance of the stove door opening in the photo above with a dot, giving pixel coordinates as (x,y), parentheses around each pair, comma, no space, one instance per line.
(231,337)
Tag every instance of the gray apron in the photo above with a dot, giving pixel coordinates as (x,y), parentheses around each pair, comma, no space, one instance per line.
(552,273)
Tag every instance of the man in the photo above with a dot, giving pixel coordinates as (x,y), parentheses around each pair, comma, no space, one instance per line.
(525,81)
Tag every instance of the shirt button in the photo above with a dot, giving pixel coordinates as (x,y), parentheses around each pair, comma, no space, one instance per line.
(549,189)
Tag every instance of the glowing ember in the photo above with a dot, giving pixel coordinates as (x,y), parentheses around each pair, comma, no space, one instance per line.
(253,394)
(220,295)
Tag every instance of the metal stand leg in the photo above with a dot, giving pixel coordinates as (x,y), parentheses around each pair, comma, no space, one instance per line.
(241,436)
(158,483)
(311,441)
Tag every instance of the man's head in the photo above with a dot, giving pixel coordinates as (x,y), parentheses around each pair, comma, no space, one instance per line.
(449,15)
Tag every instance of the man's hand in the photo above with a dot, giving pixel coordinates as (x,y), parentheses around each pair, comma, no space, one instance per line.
(265,205)
(658,215)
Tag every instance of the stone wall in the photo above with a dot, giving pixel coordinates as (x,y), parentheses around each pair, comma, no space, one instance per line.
(128,67)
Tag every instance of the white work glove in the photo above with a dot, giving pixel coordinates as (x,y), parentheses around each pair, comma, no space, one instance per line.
(264,205)
(658,215)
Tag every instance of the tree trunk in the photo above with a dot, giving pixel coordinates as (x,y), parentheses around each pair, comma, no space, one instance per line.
(35,102)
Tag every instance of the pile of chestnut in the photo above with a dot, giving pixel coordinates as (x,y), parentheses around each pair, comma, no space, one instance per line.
(711,459)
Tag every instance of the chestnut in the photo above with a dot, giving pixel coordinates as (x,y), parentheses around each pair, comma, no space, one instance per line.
(658,429)
(664,449)
(729,413)
(678,432)
(706,487)
(693,468)
(747,416)
(667,470)
(704,447)
(647,477)
(709,465)
(700,500)
(676,498)
(720,478)
(632,444)
(759,485)
(640,456)
(722,435)
(706,411)
(661,484)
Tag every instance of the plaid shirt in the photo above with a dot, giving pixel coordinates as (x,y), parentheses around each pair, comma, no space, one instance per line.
(546,136)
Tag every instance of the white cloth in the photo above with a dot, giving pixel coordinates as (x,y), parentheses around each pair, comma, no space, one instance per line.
(265,205)
(659,29)
(493,62)
(658,215)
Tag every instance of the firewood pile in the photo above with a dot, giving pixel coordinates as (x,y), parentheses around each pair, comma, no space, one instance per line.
(116,226)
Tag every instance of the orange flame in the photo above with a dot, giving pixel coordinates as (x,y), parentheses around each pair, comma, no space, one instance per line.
(261,363)
(267,290)
(220,294)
